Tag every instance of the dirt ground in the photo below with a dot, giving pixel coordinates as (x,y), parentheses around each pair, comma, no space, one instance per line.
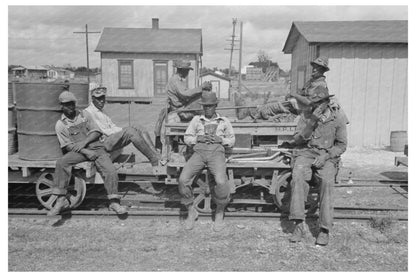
(109,244)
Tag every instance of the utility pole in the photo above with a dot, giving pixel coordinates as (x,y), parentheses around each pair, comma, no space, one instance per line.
(86,43)
(232,46)
(240,58)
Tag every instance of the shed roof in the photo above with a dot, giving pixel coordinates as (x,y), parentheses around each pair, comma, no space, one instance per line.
(148,40)
(215,75)
(384,31)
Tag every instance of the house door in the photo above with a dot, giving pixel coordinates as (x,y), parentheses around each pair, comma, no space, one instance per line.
(160,78)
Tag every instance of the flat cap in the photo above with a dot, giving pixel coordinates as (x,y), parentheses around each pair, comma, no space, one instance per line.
(67,96)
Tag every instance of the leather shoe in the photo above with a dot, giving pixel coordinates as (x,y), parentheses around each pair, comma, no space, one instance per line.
(61,204)
(192,216)
(117,208)
(323,238)
(298,233)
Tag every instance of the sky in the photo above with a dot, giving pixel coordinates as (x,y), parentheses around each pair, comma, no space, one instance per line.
(44,35)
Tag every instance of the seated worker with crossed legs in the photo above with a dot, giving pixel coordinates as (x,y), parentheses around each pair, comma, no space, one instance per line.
(114,137)
(208,134)
(78,138)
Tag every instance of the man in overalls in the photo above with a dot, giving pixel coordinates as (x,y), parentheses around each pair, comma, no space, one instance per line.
(208,134)
(114,137)
(320,139)
(79,140)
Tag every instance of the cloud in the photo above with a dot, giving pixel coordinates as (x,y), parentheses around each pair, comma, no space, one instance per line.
(44,34)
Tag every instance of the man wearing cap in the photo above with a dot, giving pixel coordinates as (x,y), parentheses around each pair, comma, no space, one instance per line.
(179,96)
(78,138)
(316,82)
(114,137)
(320,139)
(209,134)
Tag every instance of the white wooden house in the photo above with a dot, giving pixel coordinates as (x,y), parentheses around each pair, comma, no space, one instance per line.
(220,84)
(137,62)
(368,74)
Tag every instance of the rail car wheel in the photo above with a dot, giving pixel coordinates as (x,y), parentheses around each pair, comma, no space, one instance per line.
(76,190)
(282,192)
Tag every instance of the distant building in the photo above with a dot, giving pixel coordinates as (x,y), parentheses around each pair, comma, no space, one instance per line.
(31,71)
(368,63)
(220,84)
(137,62)
(59,73)
(254,73)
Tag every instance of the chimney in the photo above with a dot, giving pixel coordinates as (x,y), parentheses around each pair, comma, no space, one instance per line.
(155,23)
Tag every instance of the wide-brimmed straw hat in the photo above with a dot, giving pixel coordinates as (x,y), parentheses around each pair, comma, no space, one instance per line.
(208,98)
(321,61)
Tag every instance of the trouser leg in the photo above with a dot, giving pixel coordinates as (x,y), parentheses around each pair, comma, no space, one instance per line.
(192,167)
(301,174)
(216,166)
(326,176)
(63,171)
(140,140)
(109,173)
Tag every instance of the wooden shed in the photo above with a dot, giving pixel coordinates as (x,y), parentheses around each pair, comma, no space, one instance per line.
(220,84)
(368,74)
(137,62)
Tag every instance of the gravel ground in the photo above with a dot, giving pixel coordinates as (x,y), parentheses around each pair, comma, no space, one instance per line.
(108,244)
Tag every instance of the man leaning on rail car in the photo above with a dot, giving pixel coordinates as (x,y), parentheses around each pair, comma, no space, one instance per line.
(209,134)
(114,137)
(78,138)
(320,139)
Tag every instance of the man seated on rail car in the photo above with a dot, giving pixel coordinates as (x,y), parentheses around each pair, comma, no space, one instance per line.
(115,137)
(180,97)
(78,138)
(320,139)
(209,134)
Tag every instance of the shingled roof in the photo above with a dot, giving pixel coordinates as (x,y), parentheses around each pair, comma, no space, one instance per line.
(147,40)
(386,31)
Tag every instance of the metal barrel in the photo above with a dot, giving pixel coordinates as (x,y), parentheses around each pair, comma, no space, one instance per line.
(38,110)
(12,138)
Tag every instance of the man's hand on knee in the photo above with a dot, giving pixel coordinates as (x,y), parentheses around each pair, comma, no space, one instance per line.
(186,191)
(320,160)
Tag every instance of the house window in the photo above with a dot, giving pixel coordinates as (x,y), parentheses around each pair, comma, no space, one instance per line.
(125,74)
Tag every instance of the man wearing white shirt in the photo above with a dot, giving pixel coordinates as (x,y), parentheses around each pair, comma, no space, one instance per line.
(115,137)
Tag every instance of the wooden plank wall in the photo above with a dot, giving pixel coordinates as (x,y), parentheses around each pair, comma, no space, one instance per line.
(143,72)
(370,81)
(303,54)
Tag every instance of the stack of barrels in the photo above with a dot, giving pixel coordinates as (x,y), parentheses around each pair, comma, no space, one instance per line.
(38,110)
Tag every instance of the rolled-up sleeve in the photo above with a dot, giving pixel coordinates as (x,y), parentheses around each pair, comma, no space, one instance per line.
(62,133)
(190,134)
(229,137)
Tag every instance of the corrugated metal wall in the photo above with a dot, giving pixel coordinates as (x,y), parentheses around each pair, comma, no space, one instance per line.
(370,81)
(143,72)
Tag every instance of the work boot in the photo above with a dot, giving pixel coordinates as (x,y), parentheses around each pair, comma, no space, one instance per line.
(61,204)
(192,216)
(219,218)
(299,232)
(116,207)
(323,237)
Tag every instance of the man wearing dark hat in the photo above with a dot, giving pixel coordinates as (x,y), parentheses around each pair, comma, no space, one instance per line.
(179,96)
(209,134)
(78,138)
(320,139)
(114,137)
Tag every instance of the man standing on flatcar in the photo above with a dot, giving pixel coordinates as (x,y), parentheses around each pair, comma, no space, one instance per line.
(78,138)
(208,134)
(114,137)
(180,96)
(320,139)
